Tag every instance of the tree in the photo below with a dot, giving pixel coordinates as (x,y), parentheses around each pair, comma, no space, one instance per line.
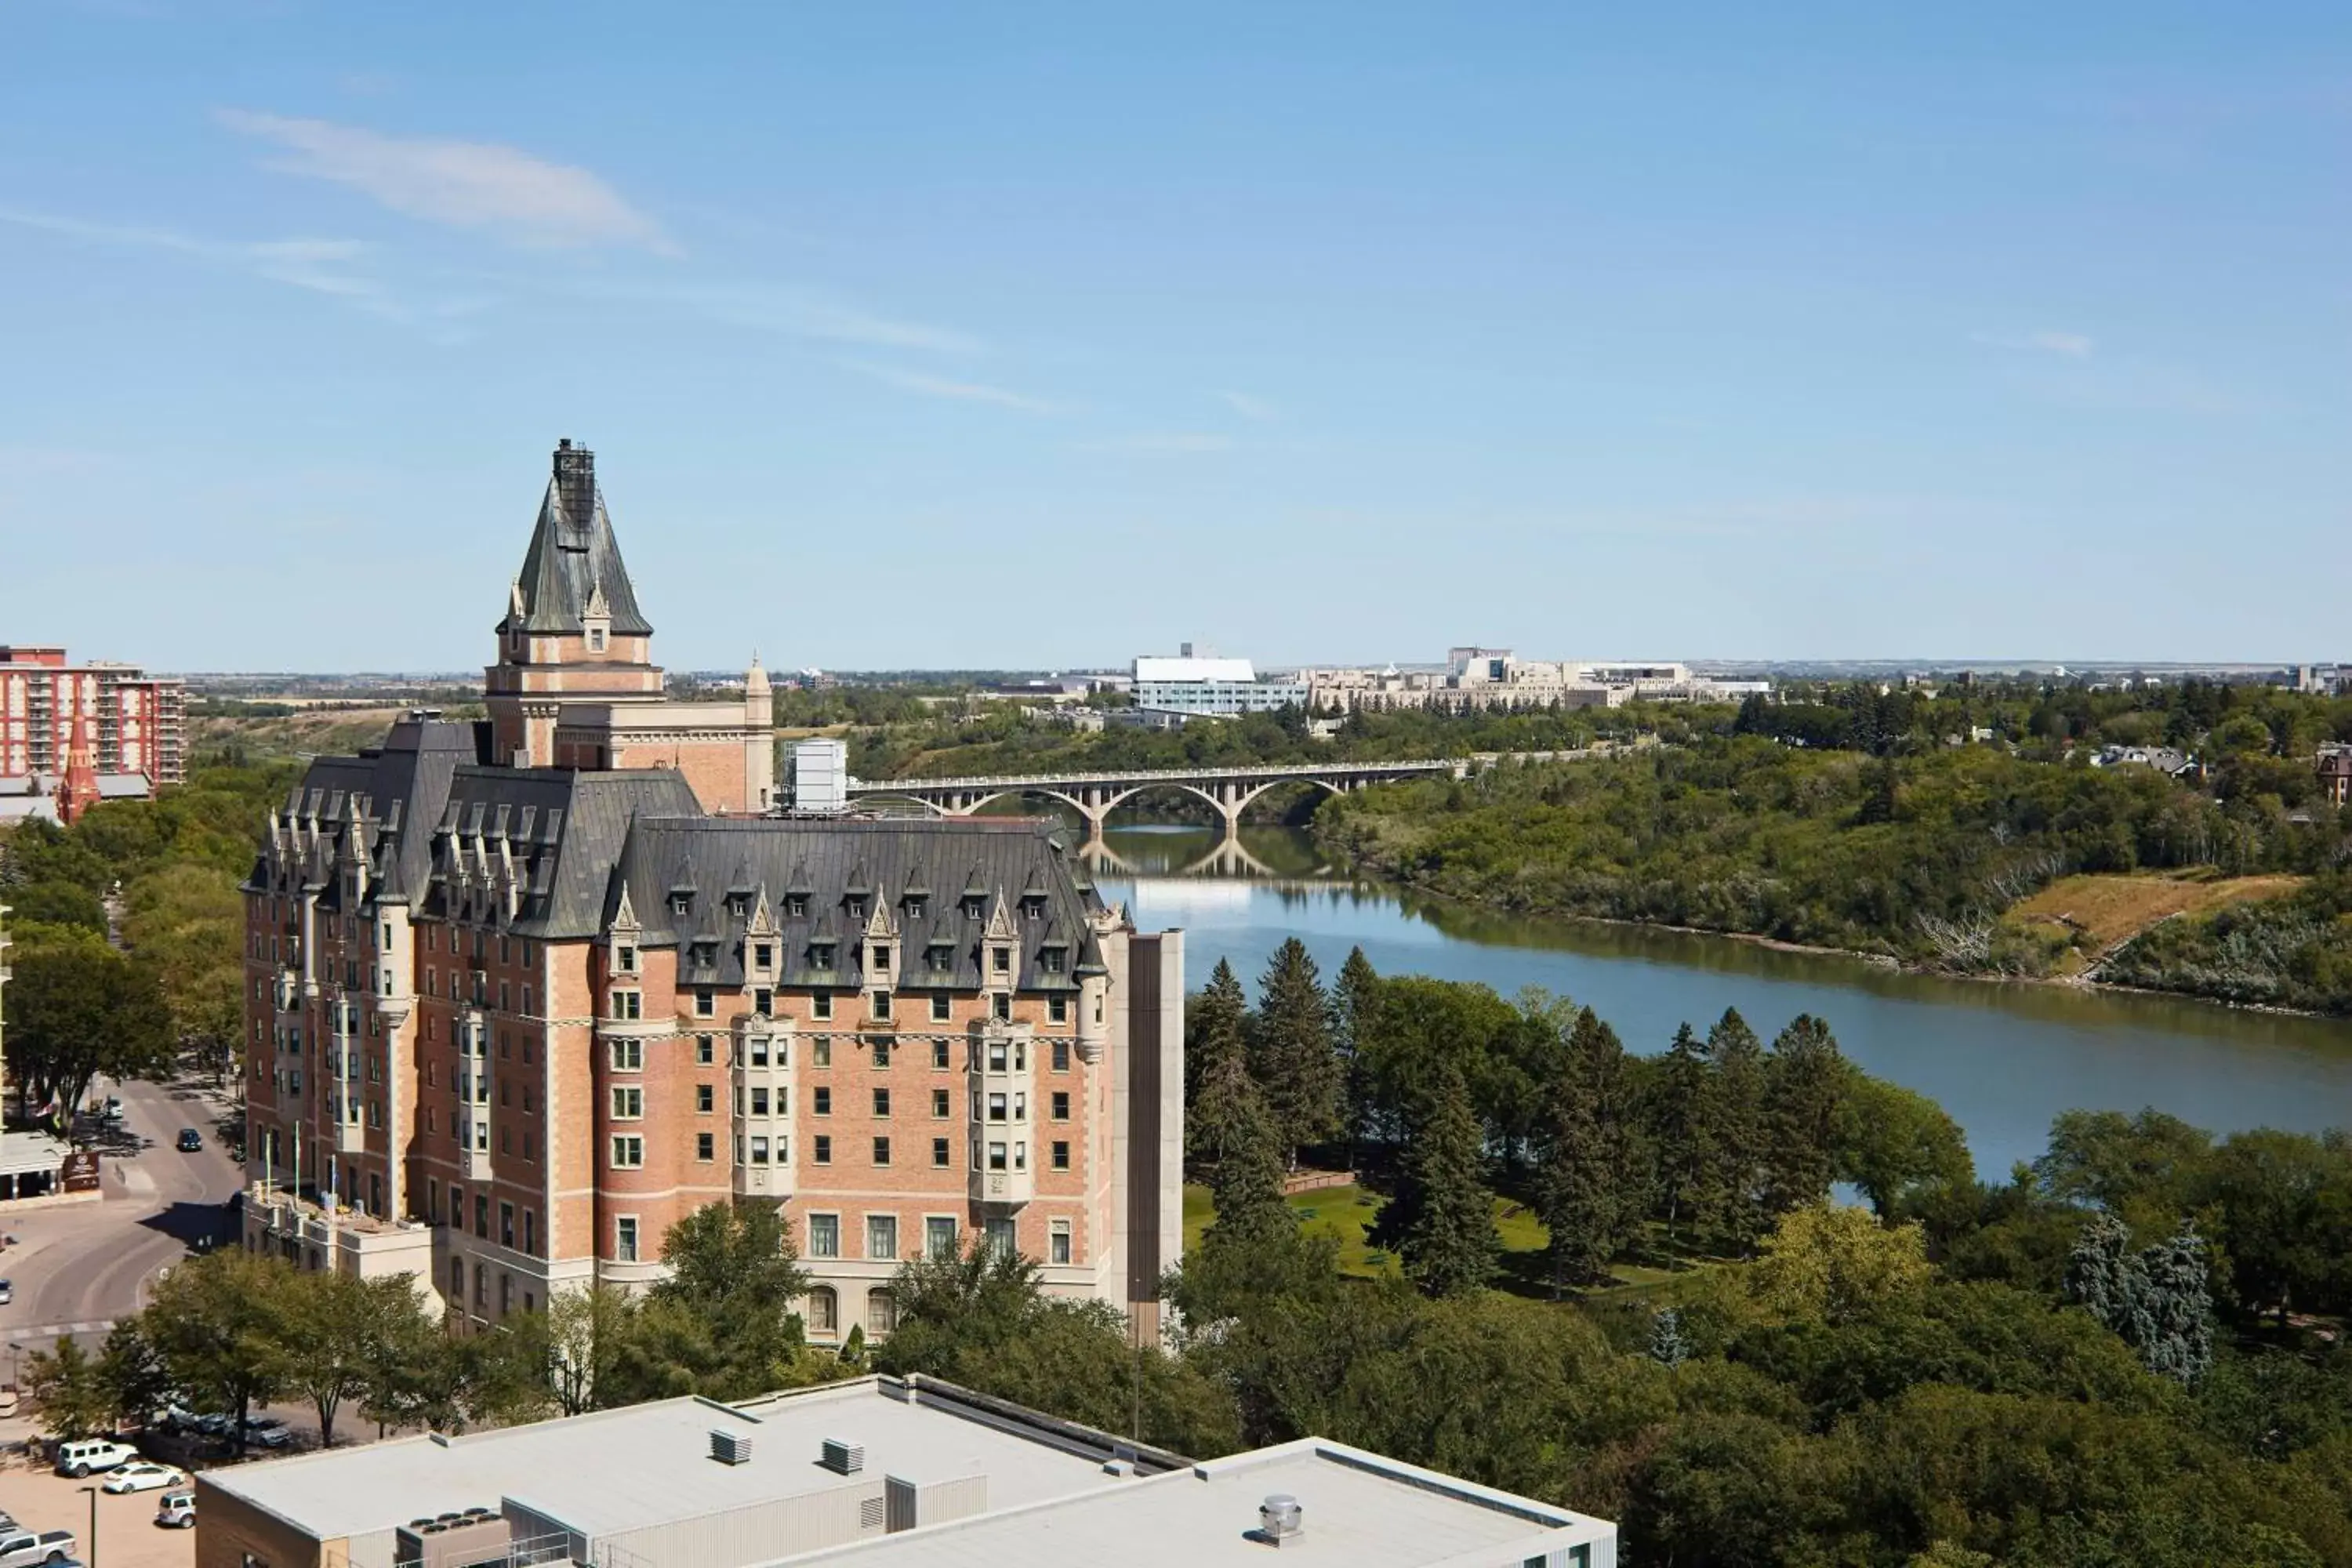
(1291,1056)
(1683,1128)
(1583,1187)
(340,1338)
(1804,1082)
(2157,1300)
(1734,1195)
(1354,999)
(2101,1273)
(1247,1180)
(586,1330)
(136,1377)
(214,1321)
(1450,1245)
(1216,1064)
(723,1317)
(1827,1263)
(1893,1142)
(76,1009)
(71,1388)
(1669,1348)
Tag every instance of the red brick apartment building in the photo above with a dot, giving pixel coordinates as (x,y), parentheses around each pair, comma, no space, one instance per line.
(134,722)
(523,995)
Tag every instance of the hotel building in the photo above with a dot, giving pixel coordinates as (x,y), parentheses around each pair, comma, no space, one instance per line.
(521,994)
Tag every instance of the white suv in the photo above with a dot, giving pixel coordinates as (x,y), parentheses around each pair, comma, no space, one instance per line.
(89,1454)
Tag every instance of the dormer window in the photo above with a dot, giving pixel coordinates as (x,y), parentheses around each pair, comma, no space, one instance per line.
(764,955)
(1050,960)
(1032,906)
(625,960)
(681,904)
(821,954)
(940,955)
(595,639)
(857,909)
(738,905)
(795,907)
(914,902)
(971,907)
(999,959)
(881,959)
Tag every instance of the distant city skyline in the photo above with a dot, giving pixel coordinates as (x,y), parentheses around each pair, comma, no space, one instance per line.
(916,337)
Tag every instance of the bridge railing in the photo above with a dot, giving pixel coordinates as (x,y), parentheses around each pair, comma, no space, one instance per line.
(1155,776)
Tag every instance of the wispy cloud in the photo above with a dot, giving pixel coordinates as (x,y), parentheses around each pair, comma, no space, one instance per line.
(466,184)
(321,265)
(790,311)
(924,385)
(2068,345)
(1164,441)
(1251,408)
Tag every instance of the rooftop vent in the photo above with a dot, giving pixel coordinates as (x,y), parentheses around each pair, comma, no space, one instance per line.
(843,1456)
(731,1447)
(1279,1521)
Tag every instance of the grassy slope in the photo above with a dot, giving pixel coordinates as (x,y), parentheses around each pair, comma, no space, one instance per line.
(2102,912)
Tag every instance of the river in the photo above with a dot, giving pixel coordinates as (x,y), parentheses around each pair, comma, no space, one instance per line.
(2004,1058)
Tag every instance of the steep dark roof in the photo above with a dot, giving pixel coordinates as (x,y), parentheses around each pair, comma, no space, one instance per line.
(561,830)
(572,553)
(390,797)
(840,861)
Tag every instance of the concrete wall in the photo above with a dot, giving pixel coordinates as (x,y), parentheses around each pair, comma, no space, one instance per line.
(229,1529)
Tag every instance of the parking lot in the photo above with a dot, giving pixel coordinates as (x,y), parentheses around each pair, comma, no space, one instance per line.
(128,1536)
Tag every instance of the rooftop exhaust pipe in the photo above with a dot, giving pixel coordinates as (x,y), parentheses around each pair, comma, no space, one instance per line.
(1280,1521)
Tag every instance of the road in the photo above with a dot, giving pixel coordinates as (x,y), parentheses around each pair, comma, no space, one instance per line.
(77,1268)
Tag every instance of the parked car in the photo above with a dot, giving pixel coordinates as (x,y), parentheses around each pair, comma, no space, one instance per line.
(22,1548)
(144,1477)
(81,1458)
(7,1292)
(176,1512)
(266,1432)
(190,1139)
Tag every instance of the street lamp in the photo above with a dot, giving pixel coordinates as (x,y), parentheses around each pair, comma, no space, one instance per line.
(92,1558)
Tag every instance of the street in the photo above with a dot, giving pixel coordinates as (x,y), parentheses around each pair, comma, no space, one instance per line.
(77,1268)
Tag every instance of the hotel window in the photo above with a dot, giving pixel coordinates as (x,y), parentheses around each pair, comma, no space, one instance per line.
(702,1006)
(881,1312)
(881,1151)
(939,1102)
(997,1107)
(1003,1006)
(703,1097)
(996,1056)
(825,1235)
(1061,1153)
(759,1150)
(881,1053)
(759,1100)
(882,1237)
(506,1225)
(795,907)
(881,1003)
(939,1236)
(823,1154)
(1061,1055)
(628,1152)
(763,954)
(1002,1240)
(996,1156)
(626,1004)
(1057,1009)
(999,959)
(942,1008)
(763,1002)
(821,1004)
(940,1152)
(882,1102)
(823,1105)
(628,1055)
(940,1059)
(881,964)
(703,1053)
(1057,1241)
(706,1147)
(824,1310)
(821,1051)
(755,1046)
(482,1218)
(625,1238)
(1021,1108)
(1021,1155)
(530,1231)
(1061,1105)
(595,639)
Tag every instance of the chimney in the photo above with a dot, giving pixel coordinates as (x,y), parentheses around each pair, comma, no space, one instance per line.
(1279,1520)
(575,491)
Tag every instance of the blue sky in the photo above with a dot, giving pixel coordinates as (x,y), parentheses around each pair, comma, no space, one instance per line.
(1038,335)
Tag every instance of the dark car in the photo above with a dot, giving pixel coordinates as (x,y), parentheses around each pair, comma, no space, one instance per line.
(190,1139)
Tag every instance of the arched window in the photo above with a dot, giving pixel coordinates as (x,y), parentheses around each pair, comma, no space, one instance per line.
(881,1312)
(823,1310)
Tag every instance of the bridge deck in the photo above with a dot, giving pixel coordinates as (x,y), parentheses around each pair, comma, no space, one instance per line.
(1161,776)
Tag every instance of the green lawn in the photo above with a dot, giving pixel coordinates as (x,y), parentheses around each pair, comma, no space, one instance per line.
(1344,1213)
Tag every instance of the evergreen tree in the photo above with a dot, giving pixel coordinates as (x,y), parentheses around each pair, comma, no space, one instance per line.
(1450,1246)
(1290,1050)
(1247,1181)
(1216,1069)
(2177,1308)
(1733,1207)
(1355,1005)
(1667,1346)
(1683,1128)
(1804,1081)
(1585,1187)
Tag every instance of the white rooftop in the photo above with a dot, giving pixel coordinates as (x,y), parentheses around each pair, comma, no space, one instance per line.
(1356,1508)
(1192,670)
(650,1464)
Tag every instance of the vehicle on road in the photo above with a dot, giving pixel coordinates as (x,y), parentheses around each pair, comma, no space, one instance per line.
(113,1111)
(85,1455)
(190,1139)
(7,1292)
(144,1477)
(176,1512)
(22,1548)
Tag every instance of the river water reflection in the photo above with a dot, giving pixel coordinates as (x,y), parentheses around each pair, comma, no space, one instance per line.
(2002,1058)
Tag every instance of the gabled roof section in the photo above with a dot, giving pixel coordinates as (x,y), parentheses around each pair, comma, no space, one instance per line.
(573,559)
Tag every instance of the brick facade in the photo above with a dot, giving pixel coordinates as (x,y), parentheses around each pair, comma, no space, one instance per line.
(133,722)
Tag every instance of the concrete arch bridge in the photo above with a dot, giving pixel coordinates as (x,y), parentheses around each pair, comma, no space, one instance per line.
(1095,795)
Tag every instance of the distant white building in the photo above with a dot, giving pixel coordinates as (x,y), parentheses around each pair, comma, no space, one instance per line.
(1189,684)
